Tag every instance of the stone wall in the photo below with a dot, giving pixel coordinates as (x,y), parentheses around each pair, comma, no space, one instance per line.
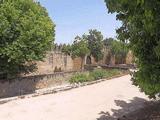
(58,60)
(27,85)
(77,63)
(55,60)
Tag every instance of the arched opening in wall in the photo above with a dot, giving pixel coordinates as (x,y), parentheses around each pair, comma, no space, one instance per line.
(88,60)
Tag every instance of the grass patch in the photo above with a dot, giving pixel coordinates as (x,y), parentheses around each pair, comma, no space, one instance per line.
(94,75)
(79,78)
(98,74)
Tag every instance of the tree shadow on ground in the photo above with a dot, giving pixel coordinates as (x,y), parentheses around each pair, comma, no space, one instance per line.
(125,108)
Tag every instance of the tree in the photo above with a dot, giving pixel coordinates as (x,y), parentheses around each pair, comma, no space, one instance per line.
(26,33)
(95,43)
(67,49)
(80,49)
(118,49)
(107,42)
(141,26)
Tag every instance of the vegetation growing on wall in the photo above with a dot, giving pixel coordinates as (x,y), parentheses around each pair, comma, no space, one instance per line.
(26,32)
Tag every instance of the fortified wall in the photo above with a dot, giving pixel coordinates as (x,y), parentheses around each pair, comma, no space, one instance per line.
(56,61)
(44,77)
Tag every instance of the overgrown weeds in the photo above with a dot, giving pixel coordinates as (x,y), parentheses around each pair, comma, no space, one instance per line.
(94,75)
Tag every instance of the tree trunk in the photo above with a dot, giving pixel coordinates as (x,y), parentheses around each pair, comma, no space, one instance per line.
(112,61)
(82,63)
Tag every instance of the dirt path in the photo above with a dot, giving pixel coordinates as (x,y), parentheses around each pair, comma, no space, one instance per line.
(103,101)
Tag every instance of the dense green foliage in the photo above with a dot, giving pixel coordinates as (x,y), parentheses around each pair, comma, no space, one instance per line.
(88,44)
(26,32)
(94,75)
(98,74)
(117,48)
(141,26)
(80,49)
(95,43)
(79,78)
(67,49)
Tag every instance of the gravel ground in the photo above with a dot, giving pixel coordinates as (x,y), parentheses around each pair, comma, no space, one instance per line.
(107,100)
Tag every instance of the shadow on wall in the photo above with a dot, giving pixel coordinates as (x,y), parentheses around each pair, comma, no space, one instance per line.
(29,84)
(128,111)
(19,86)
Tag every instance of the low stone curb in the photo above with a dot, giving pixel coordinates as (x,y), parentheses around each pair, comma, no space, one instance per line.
(56,89)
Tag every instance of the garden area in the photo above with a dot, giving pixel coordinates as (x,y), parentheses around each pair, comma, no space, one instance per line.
(96,75)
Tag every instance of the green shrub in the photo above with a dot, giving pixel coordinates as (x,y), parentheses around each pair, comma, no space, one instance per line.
(113,72)
(98,74)
(94,75)
(79,78)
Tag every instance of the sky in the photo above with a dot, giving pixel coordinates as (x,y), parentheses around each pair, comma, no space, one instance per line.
(76,17)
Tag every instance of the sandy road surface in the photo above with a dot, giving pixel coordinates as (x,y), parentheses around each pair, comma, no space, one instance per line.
(102,101)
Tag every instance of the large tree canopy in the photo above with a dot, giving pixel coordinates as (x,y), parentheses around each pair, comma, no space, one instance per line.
(92,42)
(116,47)
(95,43)
(26,32)
(80,49)
(141,26)
(67,49)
